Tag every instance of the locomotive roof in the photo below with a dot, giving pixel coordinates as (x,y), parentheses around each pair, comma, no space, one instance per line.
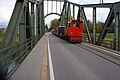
(76,21)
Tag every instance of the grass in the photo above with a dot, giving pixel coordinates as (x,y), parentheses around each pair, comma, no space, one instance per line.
(109,36)
(2,35)
(108,42)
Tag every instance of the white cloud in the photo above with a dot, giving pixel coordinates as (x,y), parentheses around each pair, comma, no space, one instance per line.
(6,8)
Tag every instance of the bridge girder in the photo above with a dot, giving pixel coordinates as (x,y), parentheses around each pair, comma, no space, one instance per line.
(56,0)
(51,14)
(23,21)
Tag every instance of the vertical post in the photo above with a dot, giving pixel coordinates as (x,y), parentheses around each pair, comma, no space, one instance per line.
(43,19)
(81,17)
(73,12)
(51,6)
(22,30)
(78,15)
(67,14)
(116,36)
(47,6)
(94,26)
(37,18)
(28,26)
(40,18)
(56,6)
(119,33)
(101,1)
(32,19)
(38,8)
(60,6)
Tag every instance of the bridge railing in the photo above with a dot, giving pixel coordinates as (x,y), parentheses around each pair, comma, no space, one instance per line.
(106,43)
(17,53)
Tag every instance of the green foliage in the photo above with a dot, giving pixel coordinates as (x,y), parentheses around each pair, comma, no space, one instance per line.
(1,36)
(109,36)
(99,26)
(46,28)
(54,24)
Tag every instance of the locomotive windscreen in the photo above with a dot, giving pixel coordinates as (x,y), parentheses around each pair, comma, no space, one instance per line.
(76,25)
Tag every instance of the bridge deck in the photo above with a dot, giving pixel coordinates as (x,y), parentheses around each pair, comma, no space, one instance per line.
(30,68)
(69,62)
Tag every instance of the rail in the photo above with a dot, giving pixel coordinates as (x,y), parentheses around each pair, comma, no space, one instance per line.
(106,43)
(17,53)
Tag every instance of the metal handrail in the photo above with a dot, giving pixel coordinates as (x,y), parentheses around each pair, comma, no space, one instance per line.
(17,55)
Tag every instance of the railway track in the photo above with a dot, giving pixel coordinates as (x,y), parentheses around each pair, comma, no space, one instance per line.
(111,56)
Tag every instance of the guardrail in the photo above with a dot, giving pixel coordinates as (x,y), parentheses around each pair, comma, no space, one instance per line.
(12,56)
(106,43)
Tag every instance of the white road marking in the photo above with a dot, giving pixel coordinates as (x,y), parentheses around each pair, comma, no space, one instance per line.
(52,77)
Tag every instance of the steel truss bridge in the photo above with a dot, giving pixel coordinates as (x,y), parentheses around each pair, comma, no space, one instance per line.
(28,22)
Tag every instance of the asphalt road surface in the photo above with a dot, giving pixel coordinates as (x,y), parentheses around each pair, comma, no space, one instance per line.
(71,62)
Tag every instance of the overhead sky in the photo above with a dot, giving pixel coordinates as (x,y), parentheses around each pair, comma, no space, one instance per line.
(6,9)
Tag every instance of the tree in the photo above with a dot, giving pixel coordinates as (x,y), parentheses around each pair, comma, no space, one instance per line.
(46,28)
(54,24)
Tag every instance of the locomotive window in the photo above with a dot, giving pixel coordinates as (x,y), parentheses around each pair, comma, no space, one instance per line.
(76,25)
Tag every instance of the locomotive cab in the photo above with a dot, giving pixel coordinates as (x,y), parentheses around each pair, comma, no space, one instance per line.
(74,31)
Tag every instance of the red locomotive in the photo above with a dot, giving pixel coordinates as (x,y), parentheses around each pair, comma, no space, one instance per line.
(73,33)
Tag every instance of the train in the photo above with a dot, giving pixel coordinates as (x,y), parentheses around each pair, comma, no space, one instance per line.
(72,33)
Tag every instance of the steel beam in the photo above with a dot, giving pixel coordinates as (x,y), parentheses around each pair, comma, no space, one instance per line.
(60,6)
(22,31)
(14,24)
(51,6)
(105,5)
(73,12)
(57,0)
(32,19)
(119,34)
(50,14)
(43,19)
(28,23)
(78,15)
(37,19)
(47,6)
(38,12)
(56,6)
(101,1)
(33,1)
(61,15)
(106,27)
(40,18)
(116,35)
(86,25)
(94,26)
(67,15)
(11,32)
